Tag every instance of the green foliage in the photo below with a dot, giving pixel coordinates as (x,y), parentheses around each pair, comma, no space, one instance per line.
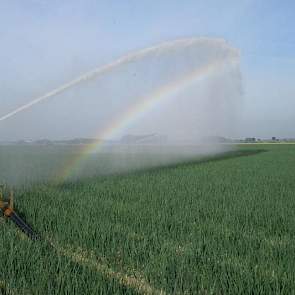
(223,225)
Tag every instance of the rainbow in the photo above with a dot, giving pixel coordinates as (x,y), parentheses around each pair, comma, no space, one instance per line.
(140,108)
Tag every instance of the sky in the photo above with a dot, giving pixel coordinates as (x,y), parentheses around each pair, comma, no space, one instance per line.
(46,43)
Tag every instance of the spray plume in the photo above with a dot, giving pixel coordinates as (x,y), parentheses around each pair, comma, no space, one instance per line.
(184,90)
(132,57)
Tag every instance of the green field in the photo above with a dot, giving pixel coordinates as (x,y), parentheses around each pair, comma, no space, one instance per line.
(221,225)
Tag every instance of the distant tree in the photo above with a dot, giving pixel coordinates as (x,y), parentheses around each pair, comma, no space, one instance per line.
(250,139)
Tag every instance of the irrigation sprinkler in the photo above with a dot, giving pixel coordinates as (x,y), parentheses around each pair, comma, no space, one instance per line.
(7,208)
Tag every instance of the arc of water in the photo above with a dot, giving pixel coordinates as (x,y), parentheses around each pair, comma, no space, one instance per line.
(163,47)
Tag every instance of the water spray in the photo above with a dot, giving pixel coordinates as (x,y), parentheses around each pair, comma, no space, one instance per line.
(131,57)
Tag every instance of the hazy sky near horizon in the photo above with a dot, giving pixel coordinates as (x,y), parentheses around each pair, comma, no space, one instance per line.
(46,43)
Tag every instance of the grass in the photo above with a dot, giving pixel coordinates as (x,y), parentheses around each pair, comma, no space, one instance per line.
(223,225)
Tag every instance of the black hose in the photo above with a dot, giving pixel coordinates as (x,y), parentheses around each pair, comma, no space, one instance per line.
(23,226)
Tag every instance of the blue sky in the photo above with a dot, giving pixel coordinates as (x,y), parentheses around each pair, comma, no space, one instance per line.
(44,43)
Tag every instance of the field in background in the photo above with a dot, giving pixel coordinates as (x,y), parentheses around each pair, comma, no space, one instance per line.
(220,225)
